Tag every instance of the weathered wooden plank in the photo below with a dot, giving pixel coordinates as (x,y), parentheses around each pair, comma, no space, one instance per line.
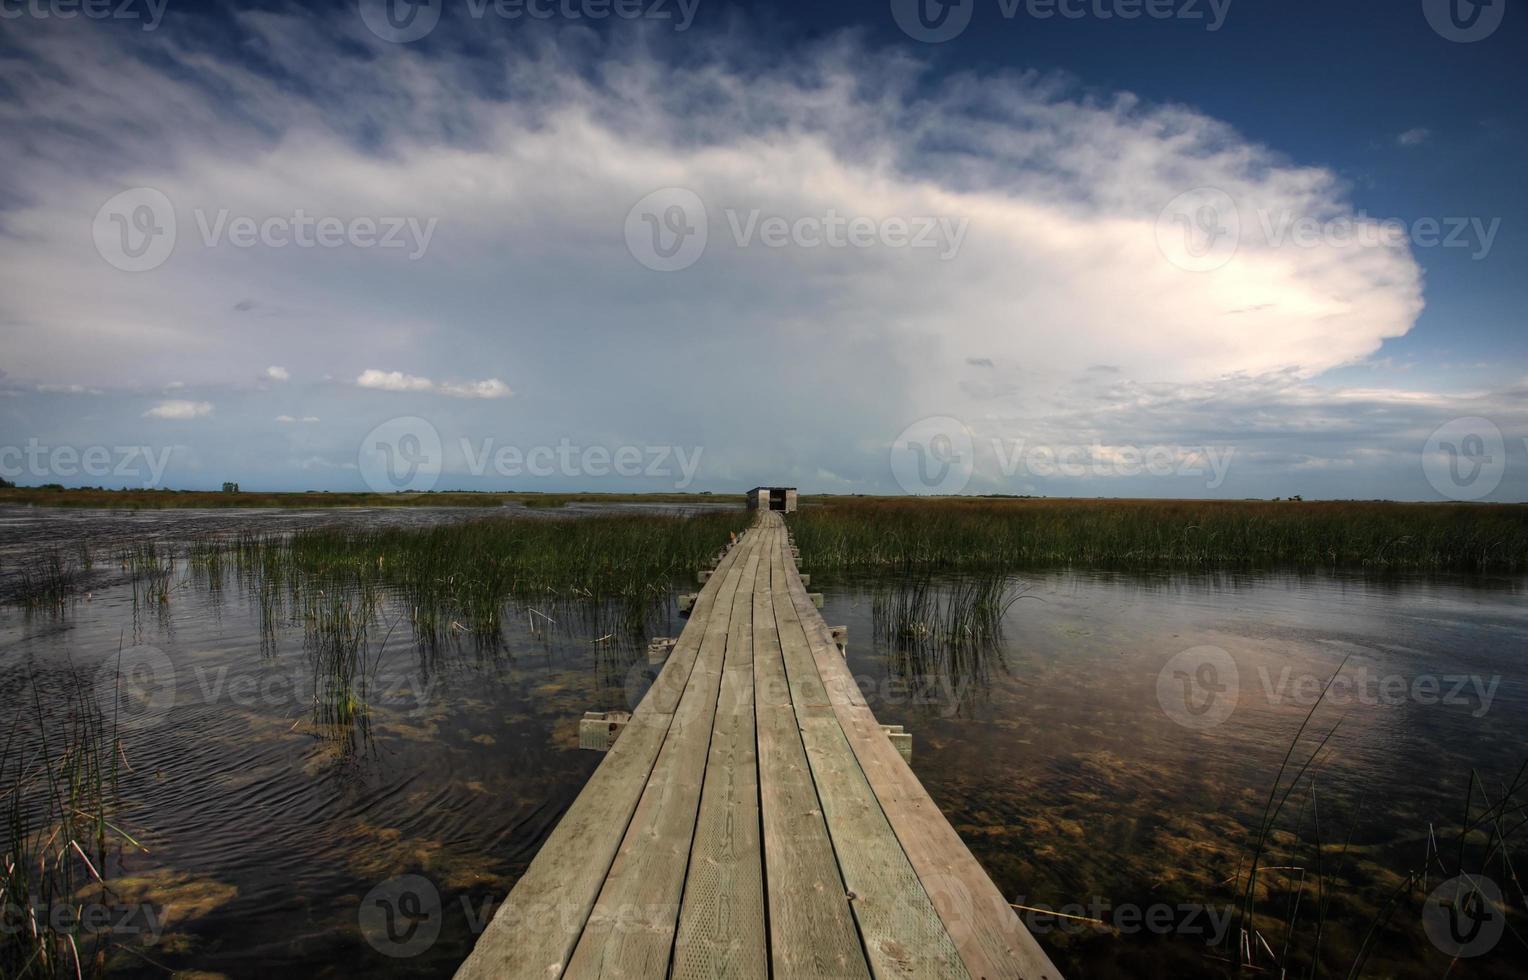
(811,928)
(902,933)
(630,932)
(990,937)
(534,932)
(721,918)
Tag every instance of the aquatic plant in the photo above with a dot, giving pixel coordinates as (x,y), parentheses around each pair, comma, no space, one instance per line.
(460,576)
(59,771)
(968,533)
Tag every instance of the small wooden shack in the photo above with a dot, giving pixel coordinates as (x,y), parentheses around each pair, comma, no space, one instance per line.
(772,498)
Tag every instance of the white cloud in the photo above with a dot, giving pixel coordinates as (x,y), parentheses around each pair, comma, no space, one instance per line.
(290,420)
(392,381)
(491,388)
(1414,137)
(176,408)
(277,374)
(747,351)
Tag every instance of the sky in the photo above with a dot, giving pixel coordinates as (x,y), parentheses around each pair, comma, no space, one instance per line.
(1116,248)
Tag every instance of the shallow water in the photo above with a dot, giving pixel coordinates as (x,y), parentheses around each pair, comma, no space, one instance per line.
(268,824)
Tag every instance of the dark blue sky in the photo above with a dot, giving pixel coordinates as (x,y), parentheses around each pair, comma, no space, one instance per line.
(1329,83)
(1079,300)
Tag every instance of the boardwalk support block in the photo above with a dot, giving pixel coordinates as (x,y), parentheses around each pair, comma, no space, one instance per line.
(816,598)
(901,741)
(659,649)
(806,580)
(598,730)
(840,636)
(702,575)
(687,602)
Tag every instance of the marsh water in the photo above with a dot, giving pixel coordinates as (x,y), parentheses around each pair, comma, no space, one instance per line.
(1084,752)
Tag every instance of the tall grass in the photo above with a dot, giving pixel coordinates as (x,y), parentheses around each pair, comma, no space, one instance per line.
(976,533)
(58,767)
(461,576)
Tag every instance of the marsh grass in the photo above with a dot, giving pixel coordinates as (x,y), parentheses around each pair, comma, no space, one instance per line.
(1299,889)
(59,767)
(943,635)
(970,533)
(463,577)
(48,581)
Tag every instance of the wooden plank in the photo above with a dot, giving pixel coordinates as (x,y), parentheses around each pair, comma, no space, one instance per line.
(902,933)
(721,918)
(630,932)
(990,937)
(534,931)
(811,928)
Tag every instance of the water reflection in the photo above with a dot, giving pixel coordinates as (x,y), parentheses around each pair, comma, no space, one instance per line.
(1076,786)
(320,742)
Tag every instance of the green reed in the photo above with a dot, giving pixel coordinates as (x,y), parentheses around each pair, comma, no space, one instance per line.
(976,533)
(59,769)
(47,581)
(461,576)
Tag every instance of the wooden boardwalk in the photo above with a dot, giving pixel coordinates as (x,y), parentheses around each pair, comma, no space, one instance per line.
(752,820)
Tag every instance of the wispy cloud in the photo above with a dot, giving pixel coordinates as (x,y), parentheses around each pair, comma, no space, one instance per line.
(176,408)
(392,381)
(491,388)
(530,276)
(1414,137)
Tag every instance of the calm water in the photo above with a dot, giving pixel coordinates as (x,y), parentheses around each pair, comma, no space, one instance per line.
(1073,774)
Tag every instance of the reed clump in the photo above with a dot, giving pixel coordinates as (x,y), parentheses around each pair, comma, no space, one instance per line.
(466,573)
(59,769)
(984,533)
